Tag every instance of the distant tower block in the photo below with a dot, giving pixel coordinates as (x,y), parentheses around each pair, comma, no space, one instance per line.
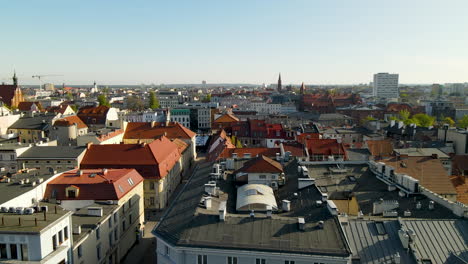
(280,86)
(203,84)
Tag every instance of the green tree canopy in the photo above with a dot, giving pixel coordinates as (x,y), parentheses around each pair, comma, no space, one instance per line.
(449,121)
(153,101)
(423,120)
(135,103)
(404,115)
(463,122)
(102,99)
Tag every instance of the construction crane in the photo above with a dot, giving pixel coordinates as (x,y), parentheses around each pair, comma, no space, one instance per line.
(41,76)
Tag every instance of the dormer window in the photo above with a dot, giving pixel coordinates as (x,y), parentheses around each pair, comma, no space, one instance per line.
(72,191)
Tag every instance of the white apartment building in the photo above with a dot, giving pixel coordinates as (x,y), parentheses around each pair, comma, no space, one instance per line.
(386,85)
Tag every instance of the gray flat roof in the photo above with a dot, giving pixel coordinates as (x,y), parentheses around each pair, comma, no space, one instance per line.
(52,152)
(16,223)
(87,222)
(184,225)
(12,189)
(439,240)
(370,247)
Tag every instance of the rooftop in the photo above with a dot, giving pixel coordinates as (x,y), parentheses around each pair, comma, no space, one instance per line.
(12,189)
(106,184)
(40,122)
(146,130)
(188,224)
(52,152)
(31,223)
(88,222)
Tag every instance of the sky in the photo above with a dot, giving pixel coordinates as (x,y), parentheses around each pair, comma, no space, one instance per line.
(242,41)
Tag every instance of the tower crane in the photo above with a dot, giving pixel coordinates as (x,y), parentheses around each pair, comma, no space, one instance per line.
(41,76)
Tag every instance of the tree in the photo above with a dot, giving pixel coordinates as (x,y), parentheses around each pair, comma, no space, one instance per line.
(153,101)
(70,96)
(74,107)
(463,122)
(135,103)
(424,120)
(404,115)
(449,121)
(102,99)
(367,119)
(207,98)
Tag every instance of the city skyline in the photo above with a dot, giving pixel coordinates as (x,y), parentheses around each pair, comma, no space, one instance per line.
(247,42)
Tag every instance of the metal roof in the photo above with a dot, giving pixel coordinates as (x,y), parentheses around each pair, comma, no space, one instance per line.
(254,194)
(369,247)
(438,240)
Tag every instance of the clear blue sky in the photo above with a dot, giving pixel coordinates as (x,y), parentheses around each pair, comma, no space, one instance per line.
(326,42)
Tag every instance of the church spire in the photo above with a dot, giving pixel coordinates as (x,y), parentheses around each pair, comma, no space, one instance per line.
(302,88)
(15,79)
(280,86)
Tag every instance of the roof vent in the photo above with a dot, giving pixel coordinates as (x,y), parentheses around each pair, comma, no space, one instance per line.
(320,224)
(301,223)
(419,206)
(92,175)
(95,211)
(252,214)
(104,171)
(431,205)
(286,205)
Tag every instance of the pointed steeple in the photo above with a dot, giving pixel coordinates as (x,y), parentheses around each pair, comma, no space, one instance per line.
(15,79)
(302,88)
(280,86)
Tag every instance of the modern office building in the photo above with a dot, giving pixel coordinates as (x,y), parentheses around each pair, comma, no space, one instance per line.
(386,85)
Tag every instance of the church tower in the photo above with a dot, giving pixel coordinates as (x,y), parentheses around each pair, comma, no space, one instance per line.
(15,79)
(280,86)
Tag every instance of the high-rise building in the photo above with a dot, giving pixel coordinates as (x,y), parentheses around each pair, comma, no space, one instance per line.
(49,87)
(386,85)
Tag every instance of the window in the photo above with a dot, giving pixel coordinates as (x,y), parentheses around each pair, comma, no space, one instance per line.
(80,251)
(151,200)
(71,194)
(260,261)
(202,259)
(110,238)
(98,233)
(54,242)
(60,237)
(65,232)
(289,262)
(262,176)
(166,250)
(3,251)
(110,222)
(13,251)
(116,233)
(24,252)
(98,252)
(130,219)
(12,157)
(231,260)
(130,181)
(115,217)
(151,185)
(123,226)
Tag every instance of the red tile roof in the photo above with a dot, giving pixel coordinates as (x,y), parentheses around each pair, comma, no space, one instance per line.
(153,160)
(460,165)
(26,106)
(261,164)
(147,130)
(325,147)
(69,121)
(430,172)
(94,184)
(226,118)
(93,114)
(382,148)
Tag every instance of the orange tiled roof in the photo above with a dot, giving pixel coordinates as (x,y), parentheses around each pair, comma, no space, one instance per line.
(261,164)
(94,184)
(69,121)
(461,186)
(153,160)
(430,172)
(383,148)
(226,118)
(146,130)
